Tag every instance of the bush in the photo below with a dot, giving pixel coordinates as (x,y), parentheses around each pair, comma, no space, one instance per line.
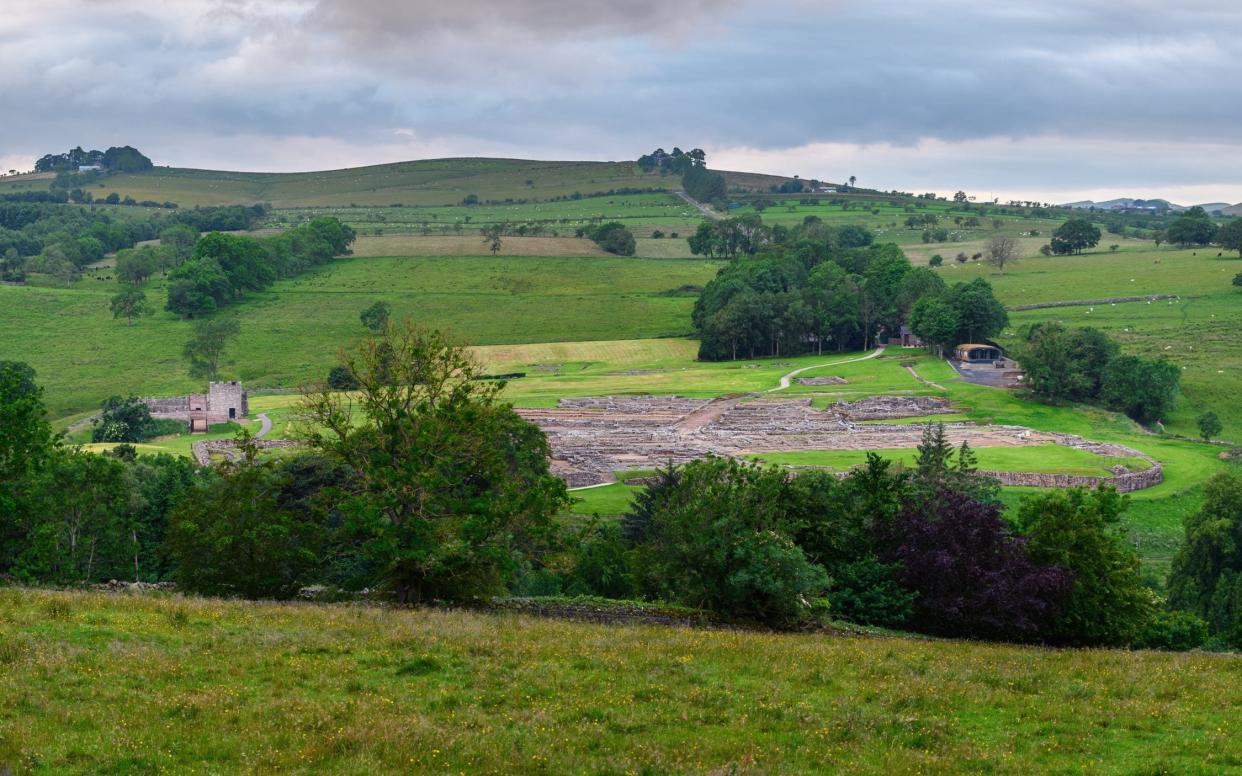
(720,538)
(936,260)
(341,379)
(614,237)
(1174,631)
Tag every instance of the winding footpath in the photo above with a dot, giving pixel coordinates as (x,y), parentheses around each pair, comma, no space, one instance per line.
(788,378)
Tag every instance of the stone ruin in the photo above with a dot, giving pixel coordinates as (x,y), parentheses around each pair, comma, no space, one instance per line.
(223,402)
(593,439)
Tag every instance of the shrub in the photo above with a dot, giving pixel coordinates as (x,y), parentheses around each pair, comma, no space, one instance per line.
(1175,631)
(341,379)
(720,538)
(936,260)
(614,237)
(972,576)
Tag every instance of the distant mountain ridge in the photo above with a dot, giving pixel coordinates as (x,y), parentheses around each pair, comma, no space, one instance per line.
(1131,203)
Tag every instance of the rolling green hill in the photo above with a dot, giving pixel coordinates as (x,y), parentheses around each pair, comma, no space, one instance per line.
(424,182)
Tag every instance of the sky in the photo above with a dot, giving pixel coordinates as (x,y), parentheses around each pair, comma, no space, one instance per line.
(1051,100)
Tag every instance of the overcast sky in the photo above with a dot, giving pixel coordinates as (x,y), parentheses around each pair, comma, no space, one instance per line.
(1043,99)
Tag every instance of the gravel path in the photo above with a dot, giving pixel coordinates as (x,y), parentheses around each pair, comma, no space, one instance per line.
(265,427)
(787,379)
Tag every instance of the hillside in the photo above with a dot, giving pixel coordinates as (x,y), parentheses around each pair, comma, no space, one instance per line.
(424,182)
(105,683)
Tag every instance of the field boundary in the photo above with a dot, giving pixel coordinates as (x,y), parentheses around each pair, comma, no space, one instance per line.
(1089,302)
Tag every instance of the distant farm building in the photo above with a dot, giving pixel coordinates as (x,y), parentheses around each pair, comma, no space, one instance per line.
(908,338)
(222,403)
(90,167)
(971,353)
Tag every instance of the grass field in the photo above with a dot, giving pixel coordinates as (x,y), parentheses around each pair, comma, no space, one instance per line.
(428,182)
(1197,331)
(291,333)
(98,683)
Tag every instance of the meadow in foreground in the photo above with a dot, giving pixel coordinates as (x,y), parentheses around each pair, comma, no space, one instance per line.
(101,683)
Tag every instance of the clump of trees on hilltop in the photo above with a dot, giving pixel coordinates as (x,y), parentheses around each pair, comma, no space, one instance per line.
(800,290)
(676,163)
(115,159)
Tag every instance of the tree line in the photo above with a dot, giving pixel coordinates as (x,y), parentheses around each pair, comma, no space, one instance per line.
(114,159)
(223,267)
(818,287)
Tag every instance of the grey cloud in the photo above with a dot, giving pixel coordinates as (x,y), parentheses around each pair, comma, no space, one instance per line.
(606,78)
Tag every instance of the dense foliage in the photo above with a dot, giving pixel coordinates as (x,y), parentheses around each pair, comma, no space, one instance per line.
(613,237)
(675,163)
(128,419)
(224,267)
(1206,576)
(815,286)
(703,184)
(1074,236)
(1084,365)
(115,159)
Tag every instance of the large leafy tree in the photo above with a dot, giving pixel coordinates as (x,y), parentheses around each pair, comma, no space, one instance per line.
(232,535)
(26,445)
(1230,236)
(722,538)
(206,347)
(1078,531)
(452,492)
(1206,575)
(1143,388)
(1074,236)
(129,304)
(980,315)
(972,575)
(1194,227)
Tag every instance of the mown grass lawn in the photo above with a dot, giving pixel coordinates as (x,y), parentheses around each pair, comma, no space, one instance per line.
(100,683)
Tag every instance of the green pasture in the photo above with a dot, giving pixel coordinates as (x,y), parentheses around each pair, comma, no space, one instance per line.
(641,212)
(1198,330)
(291,333)
(103,683)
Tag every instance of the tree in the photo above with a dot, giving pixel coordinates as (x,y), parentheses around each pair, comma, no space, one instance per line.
(1209,425)
(980,314)
(1230,236)
(179,240)
(26,445)
(233,536)
(852,179)
(137,265)
(375,317)
(1066,365)
(1000,251)
(1077,531)
(1193,227)
(721,538)
(492,235)
(207,345)
(1206,575)
(80,532)
(341,379)
(451,491)
(1237,280)
(1145,389)
(935,321)
(130,304)
(123,419)
(197,288)
(1075,235)
(614,237)
(972,576)
(1158,236)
